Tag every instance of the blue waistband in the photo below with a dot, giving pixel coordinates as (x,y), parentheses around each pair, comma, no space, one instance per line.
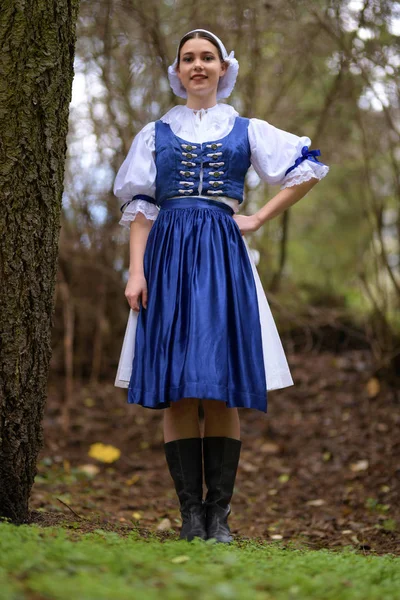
(196,203)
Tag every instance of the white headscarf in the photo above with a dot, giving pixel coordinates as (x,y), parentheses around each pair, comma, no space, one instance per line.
(226,83)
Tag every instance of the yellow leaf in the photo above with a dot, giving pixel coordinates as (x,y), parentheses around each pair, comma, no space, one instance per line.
(284,477)
(136,515)
(373,387)
(326,456)
(66,465)
(104,453)
(132,480)
(89,402)
(180,559)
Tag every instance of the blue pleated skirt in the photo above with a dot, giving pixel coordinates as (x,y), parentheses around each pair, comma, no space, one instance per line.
(200,336)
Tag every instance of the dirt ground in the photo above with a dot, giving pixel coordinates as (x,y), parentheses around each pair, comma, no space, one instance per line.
(321,469)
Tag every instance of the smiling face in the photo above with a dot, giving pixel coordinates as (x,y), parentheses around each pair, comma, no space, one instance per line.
(200,68)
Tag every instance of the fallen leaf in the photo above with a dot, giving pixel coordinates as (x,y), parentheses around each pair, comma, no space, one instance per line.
(164,525)
(136,515)
(272,492)
(89,402)
(104,453)
(133,479)
(317,502)
(180,559)
(361,465)
(373,387)
(270,448)
(276,536)
(284,477)
(382,427)
(90,470)
(248,467)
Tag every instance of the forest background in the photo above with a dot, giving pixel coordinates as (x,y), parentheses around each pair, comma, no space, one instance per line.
(327,69)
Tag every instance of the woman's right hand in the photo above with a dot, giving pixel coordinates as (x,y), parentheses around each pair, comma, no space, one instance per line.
(136,291)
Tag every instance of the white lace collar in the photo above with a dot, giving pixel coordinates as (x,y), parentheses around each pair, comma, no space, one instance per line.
(181,117)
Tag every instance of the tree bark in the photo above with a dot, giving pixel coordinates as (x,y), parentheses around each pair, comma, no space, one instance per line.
(37,43)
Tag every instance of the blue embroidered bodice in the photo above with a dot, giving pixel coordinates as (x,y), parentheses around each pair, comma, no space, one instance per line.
(209,169)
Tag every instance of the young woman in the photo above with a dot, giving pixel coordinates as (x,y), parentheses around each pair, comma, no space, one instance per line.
(200,327)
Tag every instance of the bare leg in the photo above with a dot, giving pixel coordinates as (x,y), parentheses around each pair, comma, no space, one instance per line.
(181,420)
(220,420)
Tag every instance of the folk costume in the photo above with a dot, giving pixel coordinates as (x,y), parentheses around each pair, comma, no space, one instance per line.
(208,331)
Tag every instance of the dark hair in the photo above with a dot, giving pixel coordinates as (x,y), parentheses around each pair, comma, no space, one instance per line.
(199,34)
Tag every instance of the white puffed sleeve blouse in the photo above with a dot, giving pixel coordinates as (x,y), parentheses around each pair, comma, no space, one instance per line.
(278,157)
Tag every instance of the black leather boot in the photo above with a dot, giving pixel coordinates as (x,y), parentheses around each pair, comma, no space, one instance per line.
(221,459)
(184,459)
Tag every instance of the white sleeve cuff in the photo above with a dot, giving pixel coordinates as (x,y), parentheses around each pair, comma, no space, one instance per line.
(304,172)
(149,210)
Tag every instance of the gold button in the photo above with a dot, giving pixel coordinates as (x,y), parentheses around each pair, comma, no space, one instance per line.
(189,147)
(214,146)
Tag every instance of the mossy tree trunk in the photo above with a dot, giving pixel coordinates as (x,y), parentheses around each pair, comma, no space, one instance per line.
(37,43)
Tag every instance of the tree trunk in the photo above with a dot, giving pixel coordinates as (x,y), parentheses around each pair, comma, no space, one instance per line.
(276,279)
(68,314)
(99,333)
(37,42)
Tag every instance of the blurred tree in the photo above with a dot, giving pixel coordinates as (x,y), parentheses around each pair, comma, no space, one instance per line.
(37,42)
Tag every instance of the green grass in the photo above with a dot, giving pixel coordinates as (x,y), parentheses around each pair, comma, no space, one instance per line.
(53,563)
